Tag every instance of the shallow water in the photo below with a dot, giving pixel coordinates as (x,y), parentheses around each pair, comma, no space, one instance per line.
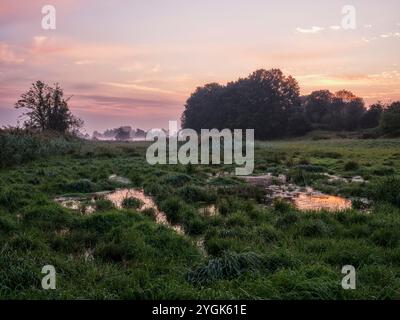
(76,204)
(117,197)
(316,202)
(118,179)
(303,198)
(210,210)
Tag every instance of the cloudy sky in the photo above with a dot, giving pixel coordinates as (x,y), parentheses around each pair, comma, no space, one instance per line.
(131,62)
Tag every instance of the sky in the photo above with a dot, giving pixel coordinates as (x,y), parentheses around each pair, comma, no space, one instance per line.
(130,62)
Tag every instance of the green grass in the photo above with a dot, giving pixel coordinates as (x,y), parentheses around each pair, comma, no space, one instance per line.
(251,251)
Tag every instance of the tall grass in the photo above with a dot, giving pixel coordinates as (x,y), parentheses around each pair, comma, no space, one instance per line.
(386,189)
(247,250)
(230,265)
(18,146)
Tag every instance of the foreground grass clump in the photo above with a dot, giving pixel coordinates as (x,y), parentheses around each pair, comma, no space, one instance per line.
(229,266)
(387,189)
(132,203)
(234,246)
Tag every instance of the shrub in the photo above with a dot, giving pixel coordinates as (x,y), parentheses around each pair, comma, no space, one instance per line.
(115,252)
(314,228)
(304,161)
(132,203)
(104,205)
(7,224)
(268,233)
(195,194)
(276,260)
(282,206)
(386,237)
(350,218)
(19,146)
(26,242)
(190,169)
(102,223)
(195,226)
(244,192)
(302,177)
(136,178)
(359,204)
(311,168)
(48,217)
(173,208)
(17,272)
(383,171)
(224,207)
(390,120)
(327,154)
(80,186)
(229,266)
(237,219)
(386,189)
(149,212)
(177,180)
(217,246)
(11,199)
(287,220)
(351,165)
(356,253)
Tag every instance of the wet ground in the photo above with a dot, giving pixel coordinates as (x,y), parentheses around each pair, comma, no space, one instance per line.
(315,202)
(87,205)
(210,210)
(303,198)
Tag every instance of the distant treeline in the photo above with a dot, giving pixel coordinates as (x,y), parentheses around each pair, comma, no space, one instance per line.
(270,103)
(124,133)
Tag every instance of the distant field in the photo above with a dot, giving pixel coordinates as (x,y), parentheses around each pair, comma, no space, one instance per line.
(374,157)
(242,248)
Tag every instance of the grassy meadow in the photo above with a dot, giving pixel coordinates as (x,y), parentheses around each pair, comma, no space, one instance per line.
(249,250)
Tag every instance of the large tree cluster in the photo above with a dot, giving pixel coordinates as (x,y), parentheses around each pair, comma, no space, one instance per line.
(270,103)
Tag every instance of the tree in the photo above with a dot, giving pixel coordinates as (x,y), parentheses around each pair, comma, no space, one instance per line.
(47,109)
(201,106)
(390,120)
(350,109)
(372,116)
(298,123)
(318,107)
(269,102)
(269,99)
(139,134)
(339,111)
(123,133)
(263,101)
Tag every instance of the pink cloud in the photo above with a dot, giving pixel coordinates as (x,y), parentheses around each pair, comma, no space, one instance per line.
(8,56)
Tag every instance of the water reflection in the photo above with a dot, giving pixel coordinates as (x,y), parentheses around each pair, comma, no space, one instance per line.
(304,198)
(316,202)
(118,196)
(210,210)
(88,205)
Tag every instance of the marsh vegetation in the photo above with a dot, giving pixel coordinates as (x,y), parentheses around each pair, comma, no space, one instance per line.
(236,242)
